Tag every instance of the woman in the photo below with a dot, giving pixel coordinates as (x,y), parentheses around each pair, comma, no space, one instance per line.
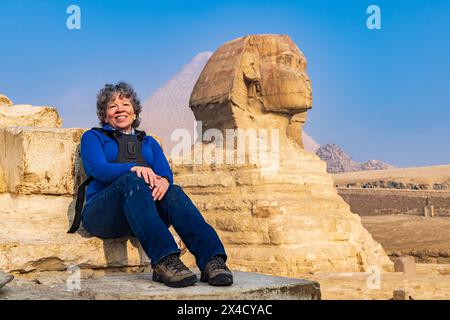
(138,197)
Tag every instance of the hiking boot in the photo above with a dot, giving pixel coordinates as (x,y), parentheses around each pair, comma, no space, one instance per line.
(216,272)
(173,273)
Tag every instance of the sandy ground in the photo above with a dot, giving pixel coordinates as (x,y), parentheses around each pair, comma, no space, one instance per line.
(432,282)
(415,175)
(425,238)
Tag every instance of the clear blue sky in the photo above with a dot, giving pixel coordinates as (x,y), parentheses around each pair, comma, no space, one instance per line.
(379,94)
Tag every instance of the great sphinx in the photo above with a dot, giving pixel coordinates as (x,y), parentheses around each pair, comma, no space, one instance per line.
(288,221)
(254,82)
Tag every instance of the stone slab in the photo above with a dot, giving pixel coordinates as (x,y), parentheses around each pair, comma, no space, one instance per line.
(139,286)
(5,278)
(407,265)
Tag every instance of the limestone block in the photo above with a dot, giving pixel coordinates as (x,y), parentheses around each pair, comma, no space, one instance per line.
(40,160)
(400,294)
(123,286)
(29,116)
(5,278)
(34,238)
(4,100)
(407,265)
(3,186)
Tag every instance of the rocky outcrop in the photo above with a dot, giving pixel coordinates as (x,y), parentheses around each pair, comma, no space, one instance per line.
(338,161)
(279,214)
(4,100)
(375,165)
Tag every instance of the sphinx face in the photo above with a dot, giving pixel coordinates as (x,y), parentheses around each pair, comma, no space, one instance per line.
(285,85)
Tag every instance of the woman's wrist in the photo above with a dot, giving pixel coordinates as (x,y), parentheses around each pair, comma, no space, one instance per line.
(167,178)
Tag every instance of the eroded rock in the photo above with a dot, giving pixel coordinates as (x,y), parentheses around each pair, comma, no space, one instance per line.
(5,278)
(4,100)
(28,116)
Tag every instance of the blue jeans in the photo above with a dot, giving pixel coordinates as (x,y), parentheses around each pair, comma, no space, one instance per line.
(126,208)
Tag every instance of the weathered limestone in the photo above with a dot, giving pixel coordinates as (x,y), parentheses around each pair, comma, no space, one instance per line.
(5,278)
(254,82)
(4,100)
(400,294)
(34,238)
(407,265)
(39,160)
(28,116)
(280,217)
(247,286)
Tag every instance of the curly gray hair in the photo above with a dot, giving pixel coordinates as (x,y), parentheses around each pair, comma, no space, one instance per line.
(124,90)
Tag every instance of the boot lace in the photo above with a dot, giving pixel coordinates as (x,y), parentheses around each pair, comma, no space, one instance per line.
(174,263)
(217,263)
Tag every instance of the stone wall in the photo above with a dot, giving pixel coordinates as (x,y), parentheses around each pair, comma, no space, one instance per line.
(372,202)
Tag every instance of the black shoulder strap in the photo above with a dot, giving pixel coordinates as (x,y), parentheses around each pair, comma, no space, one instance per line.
(108,133)
(113,134)
(140,134)
(79,205)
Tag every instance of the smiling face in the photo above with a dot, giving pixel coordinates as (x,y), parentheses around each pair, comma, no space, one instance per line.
(120,113)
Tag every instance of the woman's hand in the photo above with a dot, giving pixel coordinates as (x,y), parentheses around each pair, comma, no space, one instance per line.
(147,173)
(160,190)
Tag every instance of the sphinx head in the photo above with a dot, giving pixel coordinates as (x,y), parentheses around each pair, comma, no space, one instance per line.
(274,71)
(253,81)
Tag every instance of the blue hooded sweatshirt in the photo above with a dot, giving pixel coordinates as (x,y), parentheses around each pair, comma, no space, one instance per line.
(98,152)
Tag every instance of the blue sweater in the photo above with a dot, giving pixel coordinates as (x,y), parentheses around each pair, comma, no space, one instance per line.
(98,152)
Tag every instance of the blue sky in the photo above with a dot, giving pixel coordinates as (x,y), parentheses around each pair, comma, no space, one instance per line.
(379,94)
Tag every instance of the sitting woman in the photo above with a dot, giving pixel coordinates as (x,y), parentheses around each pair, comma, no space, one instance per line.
(138,198)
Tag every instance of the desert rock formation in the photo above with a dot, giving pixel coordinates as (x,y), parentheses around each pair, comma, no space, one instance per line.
(338,161)
(280,214)
(4,100)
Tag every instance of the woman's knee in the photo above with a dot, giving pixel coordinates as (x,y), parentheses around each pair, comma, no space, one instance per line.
(174,190)
(130,179)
